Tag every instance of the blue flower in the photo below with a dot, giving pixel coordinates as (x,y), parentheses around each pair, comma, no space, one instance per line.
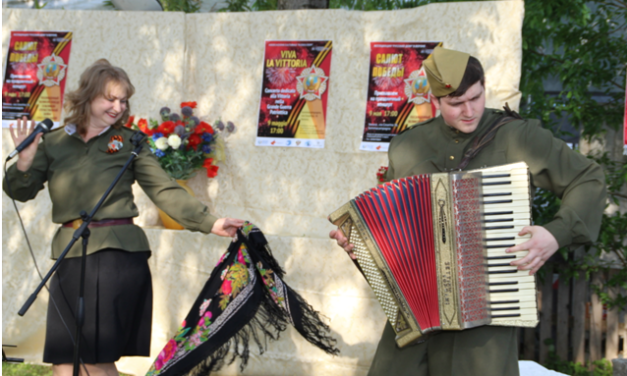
(157,136)
(159,153)
(206,149)
(207,137)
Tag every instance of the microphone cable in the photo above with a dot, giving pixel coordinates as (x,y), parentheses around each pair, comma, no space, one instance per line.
(32,254)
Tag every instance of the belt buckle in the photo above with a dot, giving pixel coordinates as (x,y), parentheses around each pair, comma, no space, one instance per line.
(77,223)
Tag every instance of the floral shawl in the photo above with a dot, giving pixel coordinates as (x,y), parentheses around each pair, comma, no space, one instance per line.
(244,299)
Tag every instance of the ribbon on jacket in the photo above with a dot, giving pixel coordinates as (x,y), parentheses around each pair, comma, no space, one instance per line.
(244,300)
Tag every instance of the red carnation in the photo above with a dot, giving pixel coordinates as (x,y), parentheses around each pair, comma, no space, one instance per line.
(207,163)
(194,141)
(130,121)
(212,171)
(142,124)
(188,104)
(166,127)
(204,128)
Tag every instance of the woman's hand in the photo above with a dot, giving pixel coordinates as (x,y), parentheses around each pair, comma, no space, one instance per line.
(226,227)
(541,246)
(343,242)
(26,157)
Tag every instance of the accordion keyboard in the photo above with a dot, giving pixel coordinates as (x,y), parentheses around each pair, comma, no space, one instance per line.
(507,209)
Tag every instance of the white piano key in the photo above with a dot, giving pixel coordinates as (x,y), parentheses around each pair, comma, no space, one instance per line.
(514,197)
(528,297)
(503,297)
(518,222)
(505,189)
(521,311)
(509,276)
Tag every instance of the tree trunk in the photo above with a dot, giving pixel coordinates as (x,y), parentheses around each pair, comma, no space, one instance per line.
(302,4)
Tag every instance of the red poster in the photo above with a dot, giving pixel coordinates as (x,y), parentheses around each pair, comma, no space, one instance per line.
(398,91)
(294,94)
(34,77)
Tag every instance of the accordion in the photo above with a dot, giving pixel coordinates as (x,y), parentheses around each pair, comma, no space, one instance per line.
(432,248)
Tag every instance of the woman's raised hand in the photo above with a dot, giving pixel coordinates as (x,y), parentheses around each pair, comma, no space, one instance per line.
(26,156)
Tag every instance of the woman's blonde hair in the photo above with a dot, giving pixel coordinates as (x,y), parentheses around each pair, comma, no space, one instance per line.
(93,83)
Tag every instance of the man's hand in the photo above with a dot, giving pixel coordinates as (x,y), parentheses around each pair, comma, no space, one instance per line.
(226,227)
(343,242)
(541,246)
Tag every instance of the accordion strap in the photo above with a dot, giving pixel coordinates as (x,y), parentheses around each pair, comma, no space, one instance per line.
(482,140)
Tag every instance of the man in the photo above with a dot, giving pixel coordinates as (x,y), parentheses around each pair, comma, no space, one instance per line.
(458,91)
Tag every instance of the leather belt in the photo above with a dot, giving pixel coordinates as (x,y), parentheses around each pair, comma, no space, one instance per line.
(103,223)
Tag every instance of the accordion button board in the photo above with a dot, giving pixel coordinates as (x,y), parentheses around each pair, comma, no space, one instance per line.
(432,248)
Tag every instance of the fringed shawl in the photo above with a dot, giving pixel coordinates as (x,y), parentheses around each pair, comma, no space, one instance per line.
(244,300)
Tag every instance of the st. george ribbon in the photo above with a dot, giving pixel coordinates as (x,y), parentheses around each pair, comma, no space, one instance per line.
(44,127)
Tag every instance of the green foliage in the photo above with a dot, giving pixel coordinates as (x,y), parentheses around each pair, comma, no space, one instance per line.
(26,369)
(601,367)
(38,5)
(582,43)
(187,6)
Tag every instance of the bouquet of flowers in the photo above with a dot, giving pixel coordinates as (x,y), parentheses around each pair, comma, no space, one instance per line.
(184,143)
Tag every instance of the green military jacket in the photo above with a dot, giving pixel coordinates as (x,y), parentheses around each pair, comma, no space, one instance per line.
(433,146)
(79,173)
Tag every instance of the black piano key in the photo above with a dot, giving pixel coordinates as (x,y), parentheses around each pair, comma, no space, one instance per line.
(487,228)
(504,283)
(495,265)
(499,291)
(499,239)
(503,316)
(498,213)
(497,202)
(498,246)
(498,220)
(497,194)
(505,175)
(502,182)
(503,272)
(500,257)
(505,308)
(504,302)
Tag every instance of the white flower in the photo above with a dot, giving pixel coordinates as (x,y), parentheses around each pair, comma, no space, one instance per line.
(161,143)
(174,140)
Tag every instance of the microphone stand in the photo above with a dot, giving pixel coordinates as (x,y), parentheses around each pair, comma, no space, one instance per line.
(83,232)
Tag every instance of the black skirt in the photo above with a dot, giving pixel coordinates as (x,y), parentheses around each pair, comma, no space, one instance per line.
(118,308)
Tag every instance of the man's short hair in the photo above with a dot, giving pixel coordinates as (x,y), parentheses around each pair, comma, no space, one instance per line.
(472,75)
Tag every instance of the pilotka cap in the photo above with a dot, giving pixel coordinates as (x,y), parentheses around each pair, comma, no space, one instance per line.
(445,70)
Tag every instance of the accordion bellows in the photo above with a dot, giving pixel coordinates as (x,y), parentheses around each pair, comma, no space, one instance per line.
(432,247)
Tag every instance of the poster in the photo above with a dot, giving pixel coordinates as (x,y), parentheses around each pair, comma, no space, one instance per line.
(294,94)
(34,76)
(398,91)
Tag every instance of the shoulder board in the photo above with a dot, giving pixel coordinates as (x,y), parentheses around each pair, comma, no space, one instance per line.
(415,125)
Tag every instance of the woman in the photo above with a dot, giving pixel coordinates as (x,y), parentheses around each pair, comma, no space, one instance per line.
(79,162)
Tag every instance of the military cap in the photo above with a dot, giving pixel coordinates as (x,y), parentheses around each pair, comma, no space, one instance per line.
(445,70)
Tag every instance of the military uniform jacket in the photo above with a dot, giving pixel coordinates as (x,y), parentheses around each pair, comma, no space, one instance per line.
(433,146)
(79,173)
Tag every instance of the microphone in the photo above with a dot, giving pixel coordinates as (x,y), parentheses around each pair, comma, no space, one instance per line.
(44,127)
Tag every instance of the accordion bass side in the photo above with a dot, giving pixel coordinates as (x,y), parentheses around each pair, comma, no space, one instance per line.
(432,248)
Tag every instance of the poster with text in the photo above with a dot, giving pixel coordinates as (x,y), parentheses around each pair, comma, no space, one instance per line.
(294,94)
(398,91)
(34,76)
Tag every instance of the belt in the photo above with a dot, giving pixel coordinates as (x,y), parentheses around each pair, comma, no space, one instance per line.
(103,223)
